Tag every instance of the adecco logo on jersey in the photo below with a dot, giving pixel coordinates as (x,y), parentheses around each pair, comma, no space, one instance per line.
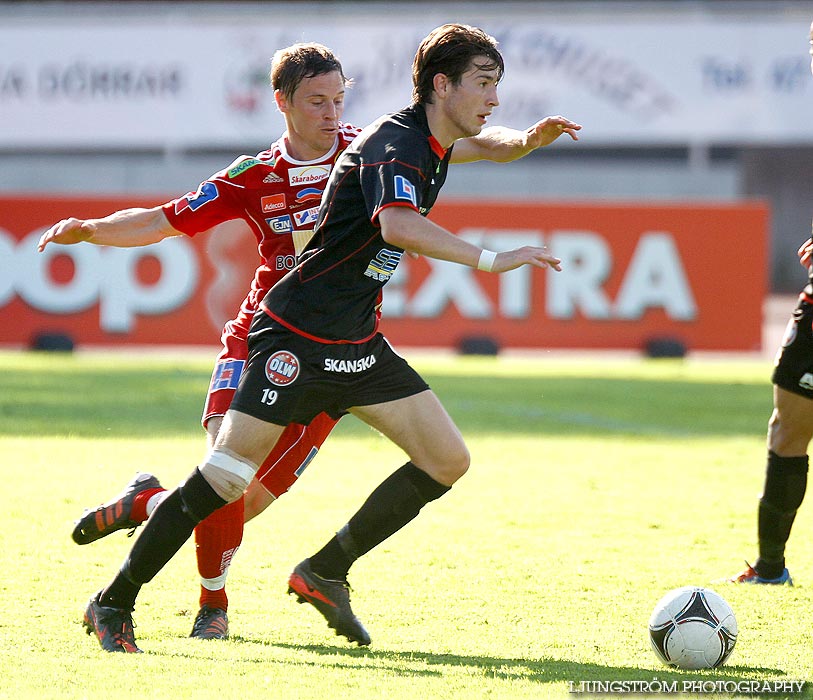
(272,203)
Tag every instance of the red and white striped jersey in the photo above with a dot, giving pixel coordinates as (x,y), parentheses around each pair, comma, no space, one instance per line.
(276,195)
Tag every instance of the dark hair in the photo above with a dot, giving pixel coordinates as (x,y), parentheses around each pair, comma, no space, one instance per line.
(450,49)
(291,65)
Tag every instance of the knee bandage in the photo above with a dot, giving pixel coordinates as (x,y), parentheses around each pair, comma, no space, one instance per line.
(228,474)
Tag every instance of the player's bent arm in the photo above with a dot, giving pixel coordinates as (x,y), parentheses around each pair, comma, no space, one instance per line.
(406,228)
(127,228)
(501,144)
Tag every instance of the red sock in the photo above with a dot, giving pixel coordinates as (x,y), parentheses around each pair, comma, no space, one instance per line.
(217,539)
(138,512)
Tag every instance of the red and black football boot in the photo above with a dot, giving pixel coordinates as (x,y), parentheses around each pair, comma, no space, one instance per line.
(211,623)
(115,514)
(331,598)
(113,627)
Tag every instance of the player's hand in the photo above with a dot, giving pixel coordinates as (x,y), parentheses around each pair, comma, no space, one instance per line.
(527,255)
(66,232)
(549,129)
(805,253)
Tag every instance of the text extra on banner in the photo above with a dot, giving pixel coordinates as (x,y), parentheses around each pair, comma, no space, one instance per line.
(631,272)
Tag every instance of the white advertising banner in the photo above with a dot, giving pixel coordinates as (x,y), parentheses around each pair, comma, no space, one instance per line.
(172,82)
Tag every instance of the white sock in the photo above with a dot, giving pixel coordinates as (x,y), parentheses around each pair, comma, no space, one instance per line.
(154,500)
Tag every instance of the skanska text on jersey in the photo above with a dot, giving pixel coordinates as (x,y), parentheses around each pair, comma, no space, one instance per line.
(349,366)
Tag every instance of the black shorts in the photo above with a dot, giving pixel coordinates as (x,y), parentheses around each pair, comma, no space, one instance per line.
(794,361)
(290,379)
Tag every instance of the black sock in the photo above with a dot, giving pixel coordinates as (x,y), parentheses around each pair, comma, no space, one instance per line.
(396,501)
(785,486)
(169,526)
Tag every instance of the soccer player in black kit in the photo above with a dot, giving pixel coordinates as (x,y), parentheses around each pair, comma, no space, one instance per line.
(790,430)
(314,345)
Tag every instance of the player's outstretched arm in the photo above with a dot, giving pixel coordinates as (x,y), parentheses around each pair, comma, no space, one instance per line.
(128,228)
(502,145)
(407,229)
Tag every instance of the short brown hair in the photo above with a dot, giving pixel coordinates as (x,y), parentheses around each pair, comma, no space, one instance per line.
(291,65)
(449,49)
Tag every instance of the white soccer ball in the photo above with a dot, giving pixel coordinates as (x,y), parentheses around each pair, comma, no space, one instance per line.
(693,627)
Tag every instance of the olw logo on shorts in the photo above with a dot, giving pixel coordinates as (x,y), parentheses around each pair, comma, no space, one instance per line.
(282,368)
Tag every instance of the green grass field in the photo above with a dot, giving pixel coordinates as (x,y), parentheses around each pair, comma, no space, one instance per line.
(596,486)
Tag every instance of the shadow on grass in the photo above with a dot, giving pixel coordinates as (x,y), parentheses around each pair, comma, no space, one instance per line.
(543,670)
(166,401)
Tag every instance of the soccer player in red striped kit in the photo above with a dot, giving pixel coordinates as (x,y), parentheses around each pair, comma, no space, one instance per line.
(276,193)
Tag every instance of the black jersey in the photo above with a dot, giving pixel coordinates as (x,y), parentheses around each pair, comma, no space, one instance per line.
(334,294)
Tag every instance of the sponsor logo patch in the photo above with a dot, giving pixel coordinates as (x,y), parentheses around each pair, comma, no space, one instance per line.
(404,189)
(272,178)
(272,203)
(306,217)
(349,366)
(383,264)
(194,200)
(308,175)
(308,193)
(285,262)
(280,224)
(227,375)
(282,368)
(242,167)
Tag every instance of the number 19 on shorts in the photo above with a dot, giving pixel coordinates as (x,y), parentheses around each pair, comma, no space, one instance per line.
(269,396)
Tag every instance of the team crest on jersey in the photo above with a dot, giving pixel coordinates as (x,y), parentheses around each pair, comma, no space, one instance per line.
(272,178)
(306,217)
(383,264)
(404,189)
(242,167)
(308,174)
(282,368)
(280,224)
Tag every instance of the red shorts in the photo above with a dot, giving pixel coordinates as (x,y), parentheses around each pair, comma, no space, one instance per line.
(297,445)
(294,450)
(226,375)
